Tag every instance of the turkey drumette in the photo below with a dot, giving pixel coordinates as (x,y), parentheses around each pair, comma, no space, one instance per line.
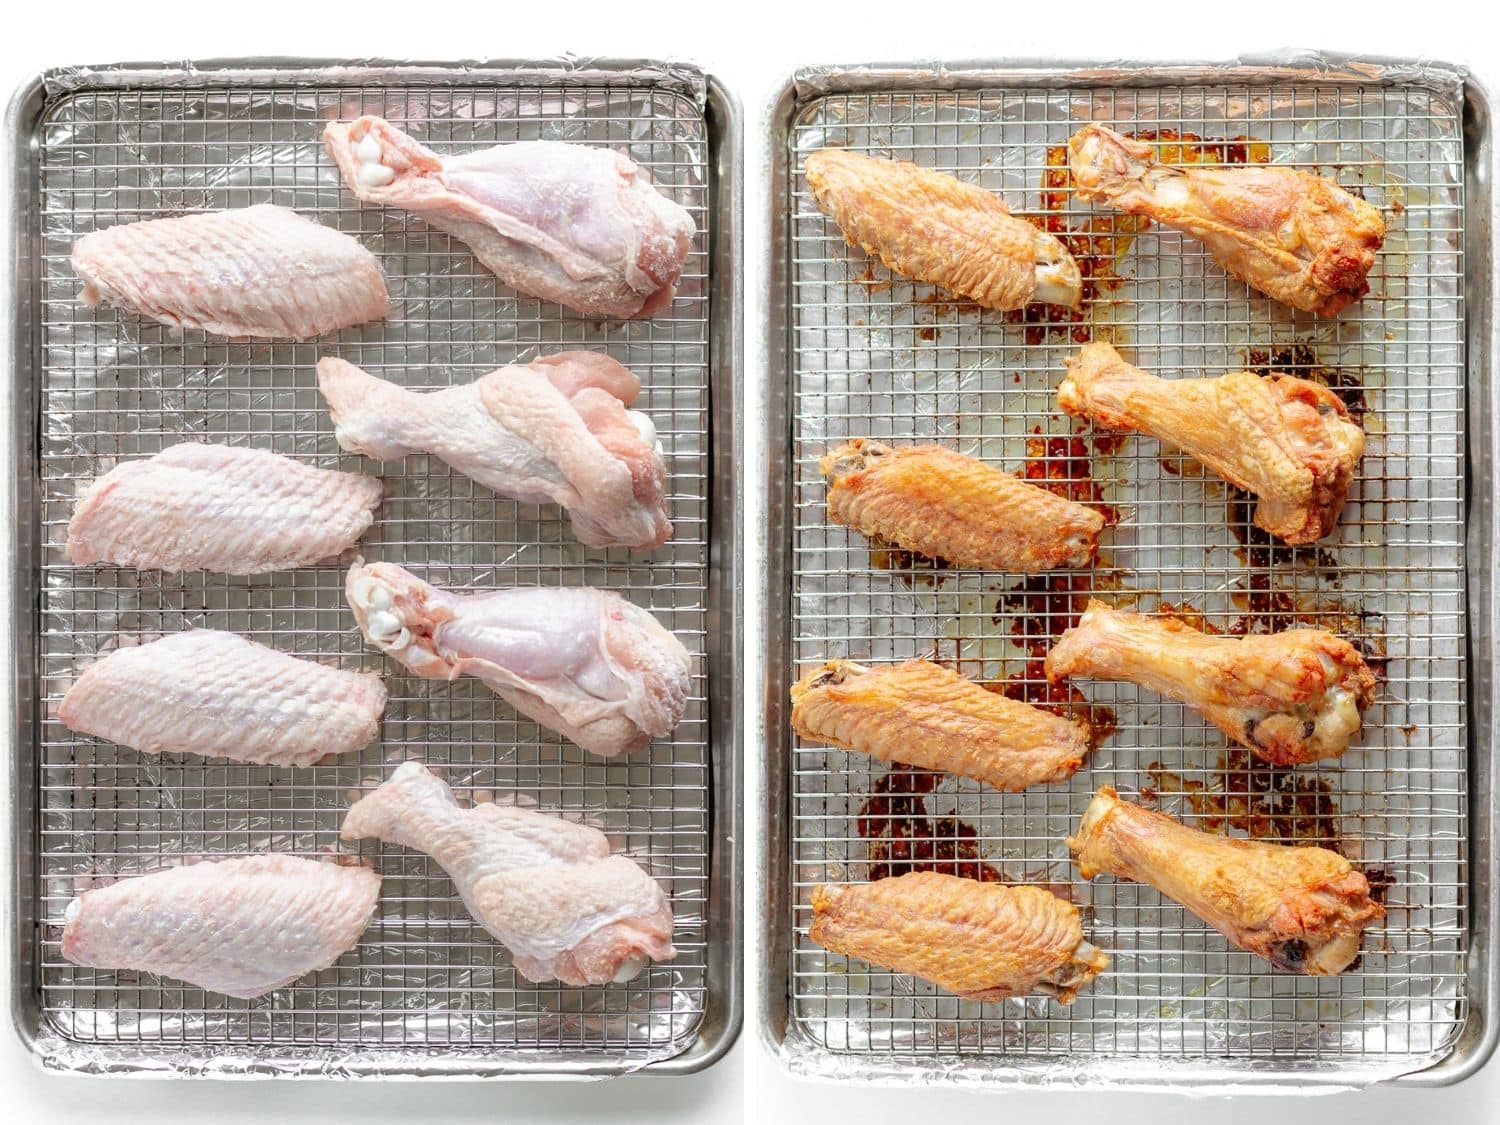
(1303,909)
(1287,440)
(1291,697)
(1294,236)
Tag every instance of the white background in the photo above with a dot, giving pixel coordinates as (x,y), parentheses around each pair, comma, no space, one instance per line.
(751,47)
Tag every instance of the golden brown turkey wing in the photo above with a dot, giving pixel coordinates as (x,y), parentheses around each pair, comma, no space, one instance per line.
(983,941)
(1287,440)
(1300,908)
(1291,697)
(1297,237)
(936,228)
(944,505)
(927,716)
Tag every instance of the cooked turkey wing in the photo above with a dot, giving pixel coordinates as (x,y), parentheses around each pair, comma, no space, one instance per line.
(1287,440)
(1291,697)
(927,716)
(1301,908)
(1297,237)
(945,505)
(983,941)
(937,228)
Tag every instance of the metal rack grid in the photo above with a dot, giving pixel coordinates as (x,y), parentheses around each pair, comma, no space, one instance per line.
(114,388)
(875,355)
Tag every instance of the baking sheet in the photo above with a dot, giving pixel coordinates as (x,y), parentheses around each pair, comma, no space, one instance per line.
(426,991)
(867,354)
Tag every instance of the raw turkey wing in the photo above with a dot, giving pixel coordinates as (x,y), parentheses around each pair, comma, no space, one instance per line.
(220,508)
(554,430)
(242,927)
(576,224)
(583,662)
(262,271)
(546,888)
(221,696)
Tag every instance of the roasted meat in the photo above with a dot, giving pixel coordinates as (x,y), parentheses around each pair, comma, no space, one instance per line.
(927,716)
(1287,440)
(1291,697)
(983,941)
(936,228)
(945,505)
(1301,908)
(1297,237)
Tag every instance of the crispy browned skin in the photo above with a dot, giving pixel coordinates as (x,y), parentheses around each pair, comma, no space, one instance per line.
(983,941)
(1287,440)
(945,505)
(1300,908)
(928,716)
(1291,697)
(936,228)
(1296,237)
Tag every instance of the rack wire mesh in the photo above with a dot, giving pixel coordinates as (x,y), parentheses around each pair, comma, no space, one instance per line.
(112,388)
(872,355)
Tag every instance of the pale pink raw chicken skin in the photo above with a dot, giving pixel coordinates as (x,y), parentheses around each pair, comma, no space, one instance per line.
(576,224)
(546,888)
(553,430)
(222,696)
(220,508)
(242,927)
(583,662)
(261,271)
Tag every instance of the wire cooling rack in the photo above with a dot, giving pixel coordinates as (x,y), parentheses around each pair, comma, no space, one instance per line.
(872,355)
(112,388)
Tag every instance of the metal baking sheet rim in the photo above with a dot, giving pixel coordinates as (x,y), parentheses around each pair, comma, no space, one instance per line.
(723,1010)
(1476,1042)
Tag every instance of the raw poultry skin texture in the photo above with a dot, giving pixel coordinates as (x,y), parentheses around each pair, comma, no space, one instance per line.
(219,508)
(262,271)
(1297,237)
(1288,441)
(221,696)
(1301,908)
(928,716)
(546,888)
(576,224)
(982,941)
(242,927)
(583,662)
(949,506)
(939,229)
(553,430)
(1291,697)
